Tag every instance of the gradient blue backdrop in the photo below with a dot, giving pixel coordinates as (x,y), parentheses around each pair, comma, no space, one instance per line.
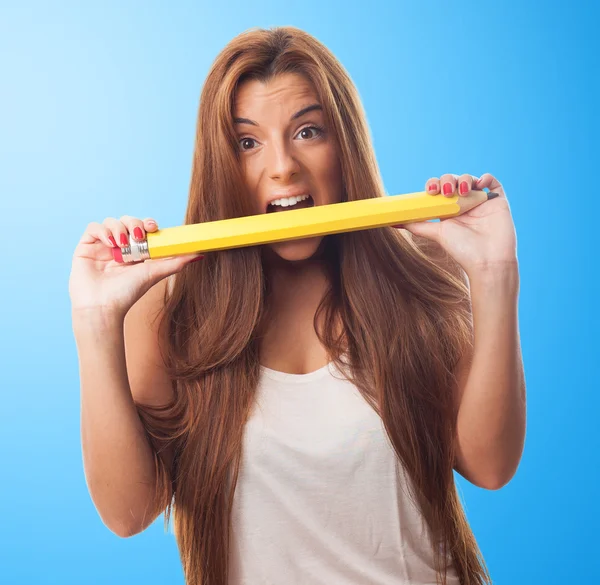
(98,104)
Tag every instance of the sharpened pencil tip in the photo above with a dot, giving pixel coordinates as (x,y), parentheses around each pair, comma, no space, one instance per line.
(492,195)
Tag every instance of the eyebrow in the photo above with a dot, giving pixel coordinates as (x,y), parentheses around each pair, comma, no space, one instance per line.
(298,114)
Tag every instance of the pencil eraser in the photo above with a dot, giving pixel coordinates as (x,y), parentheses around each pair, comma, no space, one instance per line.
(116,252)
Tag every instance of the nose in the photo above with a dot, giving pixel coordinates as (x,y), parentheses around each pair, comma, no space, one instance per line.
(281,162)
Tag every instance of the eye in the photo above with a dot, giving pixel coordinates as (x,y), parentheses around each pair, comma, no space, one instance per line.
(245,140)
(307,129)
(318,130)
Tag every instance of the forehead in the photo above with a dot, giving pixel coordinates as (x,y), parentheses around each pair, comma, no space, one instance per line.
(282,93)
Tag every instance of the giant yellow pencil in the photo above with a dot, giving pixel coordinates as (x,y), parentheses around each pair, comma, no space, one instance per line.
(297,223)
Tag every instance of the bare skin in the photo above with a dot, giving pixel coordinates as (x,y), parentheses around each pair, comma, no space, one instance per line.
(280,153)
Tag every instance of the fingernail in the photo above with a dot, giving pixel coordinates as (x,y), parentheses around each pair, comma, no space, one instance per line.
(151,223)
(116,252)
(447,189)
(137,232)
(124,240)
(464,187)
(433,187)
(196,259)
(113,242)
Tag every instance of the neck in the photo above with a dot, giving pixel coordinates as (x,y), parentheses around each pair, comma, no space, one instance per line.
(295,285)
(289,341)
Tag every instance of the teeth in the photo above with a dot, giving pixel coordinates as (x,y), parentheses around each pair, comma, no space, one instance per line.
(287,201)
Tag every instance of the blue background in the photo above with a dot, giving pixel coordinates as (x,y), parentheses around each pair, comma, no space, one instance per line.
(98,108)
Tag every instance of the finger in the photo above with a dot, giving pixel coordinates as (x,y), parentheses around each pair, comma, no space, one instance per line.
(118,230)
(476,182)
(465,184)
(90,234)
(161,267)
(96,232)
(196,258)
(472,181)
(490,182)
(134,226)
(486,181)
(448,185)
(432,186)
(150,225)
(427,229)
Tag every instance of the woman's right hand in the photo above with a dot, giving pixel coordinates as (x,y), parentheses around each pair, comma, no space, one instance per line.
(98,282)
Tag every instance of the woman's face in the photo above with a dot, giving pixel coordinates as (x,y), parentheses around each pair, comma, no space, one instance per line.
(285,151)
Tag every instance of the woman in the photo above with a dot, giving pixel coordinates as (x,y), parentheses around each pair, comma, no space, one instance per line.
(300,407)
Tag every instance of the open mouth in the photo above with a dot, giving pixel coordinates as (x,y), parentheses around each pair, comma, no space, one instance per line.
(289,203)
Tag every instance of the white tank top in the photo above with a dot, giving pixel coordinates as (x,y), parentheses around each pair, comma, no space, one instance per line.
(321,496)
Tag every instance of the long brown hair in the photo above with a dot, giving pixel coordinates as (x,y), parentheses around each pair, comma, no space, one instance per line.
(403,304)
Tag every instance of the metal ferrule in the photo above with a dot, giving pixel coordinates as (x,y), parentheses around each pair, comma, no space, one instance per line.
(135,251)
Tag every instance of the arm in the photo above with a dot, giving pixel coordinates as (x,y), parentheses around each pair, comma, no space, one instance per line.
(491,384)
(118,458)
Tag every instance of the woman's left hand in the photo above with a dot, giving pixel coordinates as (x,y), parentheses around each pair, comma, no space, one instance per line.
(480,239)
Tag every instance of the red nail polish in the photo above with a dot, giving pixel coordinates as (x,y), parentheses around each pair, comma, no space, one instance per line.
(112,241)
(433,187)
(124,240)
(196,259)
(447,189)
(464,187)
(137,232)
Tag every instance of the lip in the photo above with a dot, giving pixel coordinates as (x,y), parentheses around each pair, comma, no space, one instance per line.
(287,193)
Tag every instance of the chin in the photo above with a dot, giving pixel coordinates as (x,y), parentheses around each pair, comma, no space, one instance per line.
(297,250)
